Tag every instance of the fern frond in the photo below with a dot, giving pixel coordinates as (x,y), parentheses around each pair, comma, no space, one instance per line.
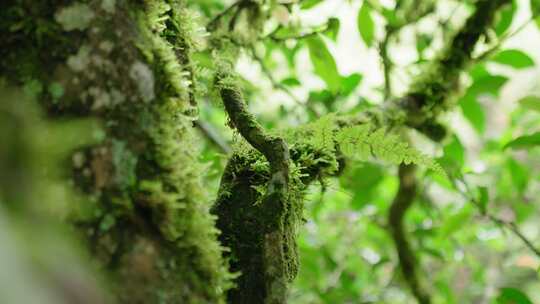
(363,141)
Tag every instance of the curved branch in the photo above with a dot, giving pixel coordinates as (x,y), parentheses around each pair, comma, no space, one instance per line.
(273,148)
(276,152)
(401,203)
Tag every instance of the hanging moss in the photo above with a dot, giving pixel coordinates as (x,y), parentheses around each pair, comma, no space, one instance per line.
(126,63)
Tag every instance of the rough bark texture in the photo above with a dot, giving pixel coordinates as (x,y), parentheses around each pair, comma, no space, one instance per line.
(125,63)
(246,218)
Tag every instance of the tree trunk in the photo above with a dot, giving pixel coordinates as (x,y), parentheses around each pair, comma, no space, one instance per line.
(125,63)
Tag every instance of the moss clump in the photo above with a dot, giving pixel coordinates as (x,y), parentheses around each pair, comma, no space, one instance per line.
(246,215)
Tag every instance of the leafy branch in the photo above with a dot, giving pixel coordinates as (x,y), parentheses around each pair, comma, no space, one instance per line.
(467,194)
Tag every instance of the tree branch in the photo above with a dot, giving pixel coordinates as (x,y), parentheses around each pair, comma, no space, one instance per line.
(211,26)
(511,226)
(400,205)
(276,152)
(428,96)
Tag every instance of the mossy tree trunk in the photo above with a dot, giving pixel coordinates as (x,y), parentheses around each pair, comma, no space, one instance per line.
(125,63)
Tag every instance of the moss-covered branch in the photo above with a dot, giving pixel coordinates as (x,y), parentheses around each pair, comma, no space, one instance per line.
(274,202)
(429,95)
(402,202)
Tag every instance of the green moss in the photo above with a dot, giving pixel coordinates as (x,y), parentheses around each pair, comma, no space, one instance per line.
(246,213)
(149,225)
(432,93)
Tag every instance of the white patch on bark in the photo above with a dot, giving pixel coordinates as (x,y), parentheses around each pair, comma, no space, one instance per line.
(109,6)
(80,61)
(75,17)
(144,79)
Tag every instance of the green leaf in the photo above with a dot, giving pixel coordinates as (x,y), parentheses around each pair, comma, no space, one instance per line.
(366,26)
(333,28)
(362,181)
(454,154)
(478,71)
(473,112)
(483,198)
(519,174)
(456,221)
(505,18)
(488,84)
(535,7)
(514,58)
(390,16)
(349,83)
(524,142)
(535,11)
(291,82)
(512,296)
(423,41)
(324,63)
(307,4)
(531,103)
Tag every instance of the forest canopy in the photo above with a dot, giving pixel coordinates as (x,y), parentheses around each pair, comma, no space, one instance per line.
(270,151)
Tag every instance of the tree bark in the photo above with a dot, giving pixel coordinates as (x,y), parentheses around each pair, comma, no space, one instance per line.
(125,63)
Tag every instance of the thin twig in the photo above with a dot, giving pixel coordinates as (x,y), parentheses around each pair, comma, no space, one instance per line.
(273,37)
(387,62)
(213,136)
(503,39)
(213,23)
(511,226)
